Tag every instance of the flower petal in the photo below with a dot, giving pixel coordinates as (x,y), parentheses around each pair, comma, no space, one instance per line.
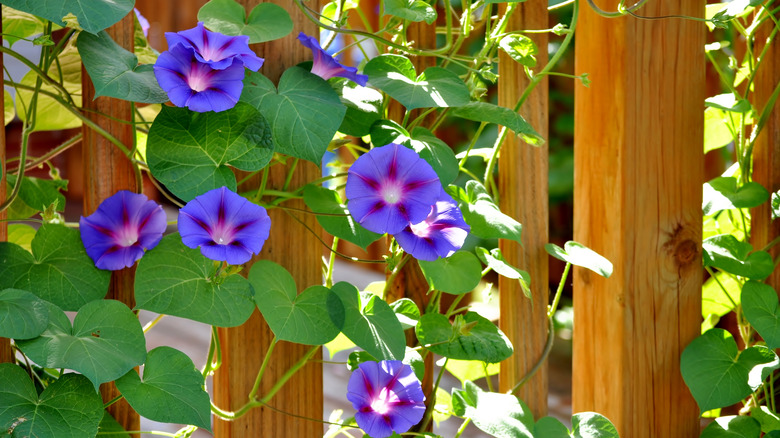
(326,67)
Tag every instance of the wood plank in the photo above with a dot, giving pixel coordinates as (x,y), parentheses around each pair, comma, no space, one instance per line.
(522,171)
(107,170)
(637,196)
(298,250)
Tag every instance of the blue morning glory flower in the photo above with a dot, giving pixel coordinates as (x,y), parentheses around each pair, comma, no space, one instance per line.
(390,187)
(326,67)
(204,70)
(225,225)
(439,235)
(124,226)
(388,397)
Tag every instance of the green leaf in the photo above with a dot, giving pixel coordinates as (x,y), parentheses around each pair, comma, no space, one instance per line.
(592,425)
(412,10)
(364,107)
(715,372)
(39,194)
(714,299)
(470,337)
(775,205)
(68,408)
(726,252)
(727,102)
(370,323)
(580,255)
(407,312)
(109,426)
(322,200)
(472,370)
(760,306)
(93,15)
(490,113)
(313,317)
(716,131)
(457,274)
(520,48)
(483,215)
(21,235)
(266,22)
(9,112)
(18,25)
(22,314)
(735,426)
(305,112)
(495,260)
(722,193)
(435,87)
(58,270)
(769,420)
(190,152)
(176,280)
(104,342)
(500,415)
(171,390)
(549,427)
(115,72)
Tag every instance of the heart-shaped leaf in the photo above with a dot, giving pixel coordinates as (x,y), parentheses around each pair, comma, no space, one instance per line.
(313,317)
(490,113)
(733,426)
(92,15)
(364,107)
(39,193)
(580,255)
(435,87)
(190,152)
(176,280)
(305,112)
(406,311)
(592,425)
(470,337)
(104,342)
(171,390)
(58,270)
(335,217)
(115,71)
(550,427)
(715,372)
(726,252)
(482,214)
(22,314)
(760,306)
(520,48)
(412,10)
(68,408)
(495,260)
(266,22)
(459,273)
(500,415)
(723,194)
(18,25)
(370,323)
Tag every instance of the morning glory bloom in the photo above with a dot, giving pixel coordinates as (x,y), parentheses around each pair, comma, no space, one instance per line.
(121,229)
(225,225)
(142,21)
(326,67)
(388,397)
(204,70)
(439,235)
(390,187)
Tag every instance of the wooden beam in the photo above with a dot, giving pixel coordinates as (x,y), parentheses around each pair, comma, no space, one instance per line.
(637,194)
(522,181)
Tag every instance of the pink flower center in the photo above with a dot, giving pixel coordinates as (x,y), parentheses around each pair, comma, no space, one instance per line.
(381,405)
(422,230)
(127,235)
(198,79)
(391,192)
(222,234)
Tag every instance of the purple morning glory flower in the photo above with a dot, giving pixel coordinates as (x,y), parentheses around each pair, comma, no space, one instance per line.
(390,187)
(142,21)
(439,235)
(225,225)
(121,229)
(326,67)
(388,397)
(204,70)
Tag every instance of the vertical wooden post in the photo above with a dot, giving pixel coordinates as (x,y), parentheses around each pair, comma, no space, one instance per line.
(107,170)
(766,153)
(522,171)
(637,198)
(298,250)
(6,353)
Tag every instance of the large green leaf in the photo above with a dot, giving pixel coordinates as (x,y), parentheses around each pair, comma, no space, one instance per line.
(313,317)
(488,112)
(549,427)
(715,372)
(115,71)
(190,152)
(726,252)
(435,87)
(176,280)
(734,426)
(722,193)
(592,425)
(104,342)
(500,415)
(266,22)
(304,112)
(459,273)
(171,390)
(412,10)
(58,270)
(760,306)
(335,217)
(39,193)
(68,408)
(580,255)
(470,337)
(716,129)
(18,25)
(482,214)
(22,314)
(92,15)
(370,323)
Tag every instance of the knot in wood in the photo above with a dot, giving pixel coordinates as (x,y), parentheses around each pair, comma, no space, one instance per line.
(685,252)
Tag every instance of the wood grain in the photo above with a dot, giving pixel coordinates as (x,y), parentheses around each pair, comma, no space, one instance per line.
(522,181)
(637,197)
